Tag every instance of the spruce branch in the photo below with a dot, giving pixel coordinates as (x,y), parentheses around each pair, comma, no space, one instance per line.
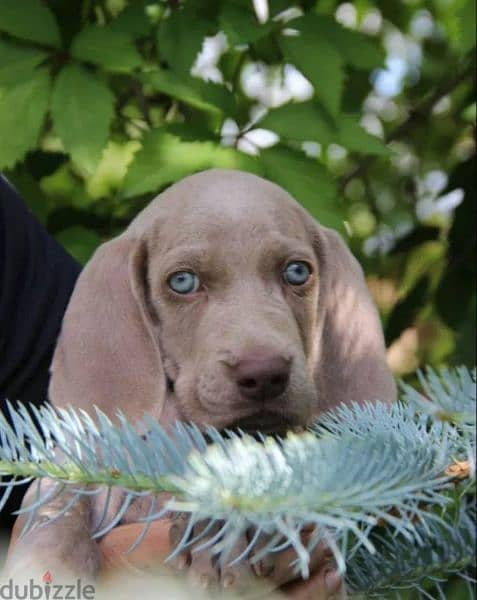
(375,480)
(447,548)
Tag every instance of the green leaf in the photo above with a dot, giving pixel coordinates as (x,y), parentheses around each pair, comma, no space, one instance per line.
(164,159)
(192,131)
(112,169)
(133,20)
(319,61)
(428,258)
(240,24)
(29,20)
(352,136)
(466,19)
(302,122)
(110,49)
(307,181)
(180,37)
(357,49)
(64,188)
(18,62)
(308,122)
(82,109)
(22,112)
(79,241)
(209,96)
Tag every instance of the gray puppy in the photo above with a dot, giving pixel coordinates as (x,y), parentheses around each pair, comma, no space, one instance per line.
(223,303)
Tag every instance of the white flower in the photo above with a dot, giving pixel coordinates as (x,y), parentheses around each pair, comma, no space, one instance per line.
(430,203)
(249,142)
(347,15)
(230,132)
(372,125)
(261,10)
(288,14)
(428,206)
(311,149)
(263,138)
(205,64)
(273,86)
(247,147)
(257,112)
(298,86)
(372,22)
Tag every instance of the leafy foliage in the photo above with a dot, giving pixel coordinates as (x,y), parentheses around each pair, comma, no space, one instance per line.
(397,498)
(363,111)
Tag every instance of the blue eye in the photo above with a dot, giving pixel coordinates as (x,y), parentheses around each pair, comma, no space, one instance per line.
(183,282)
(297,273)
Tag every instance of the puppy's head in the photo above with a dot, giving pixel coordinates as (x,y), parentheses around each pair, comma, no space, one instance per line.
(224,304)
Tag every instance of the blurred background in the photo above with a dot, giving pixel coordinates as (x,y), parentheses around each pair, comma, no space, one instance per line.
(364,111)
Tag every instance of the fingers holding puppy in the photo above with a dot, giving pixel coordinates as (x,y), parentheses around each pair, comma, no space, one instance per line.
(280,566)
(202,566)
(257,572)
(325,584)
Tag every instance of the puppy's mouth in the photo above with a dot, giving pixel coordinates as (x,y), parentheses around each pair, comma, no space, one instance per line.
(267,423)
(259,424)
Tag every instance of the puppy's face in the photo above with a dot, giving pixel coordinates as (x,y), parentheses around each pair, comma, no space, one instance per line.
(232,289)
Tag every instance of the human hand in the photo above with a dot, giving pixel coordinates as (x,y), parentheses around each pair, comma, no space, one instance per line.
(271,573)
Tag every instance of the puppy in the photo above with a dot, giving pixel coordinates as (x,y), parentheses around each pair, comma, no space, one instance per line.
(224,303)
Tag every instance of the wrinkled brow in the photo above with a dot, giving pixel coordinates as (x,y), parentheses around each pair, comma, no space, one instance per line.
(284,247)
(193,256)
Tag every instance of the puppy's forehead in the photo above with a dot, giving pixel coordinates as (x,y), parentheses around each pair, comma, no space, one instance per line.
(220,203)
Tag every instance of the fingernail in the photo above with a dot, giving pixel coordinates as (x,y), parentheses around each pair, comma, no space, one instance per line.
(228,580)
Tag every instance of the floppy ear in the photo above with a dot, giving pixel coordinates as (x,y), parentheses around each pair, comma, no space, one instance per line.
(107,353)
(350,359)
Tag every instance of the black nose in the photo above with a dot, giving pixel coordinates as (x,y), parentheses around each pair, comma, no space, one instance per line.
(262,376)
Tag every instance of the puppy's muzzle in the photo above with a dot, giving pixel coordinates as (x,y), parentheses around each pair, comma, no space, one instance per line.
(261,376)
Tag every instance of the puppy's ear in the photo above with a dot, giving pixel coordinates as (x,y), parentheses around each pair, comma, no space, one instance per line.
(350,359)
(107,353)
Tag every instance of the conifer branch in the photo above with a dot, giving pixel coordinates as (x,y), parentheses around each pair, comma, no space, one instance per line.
(386,486)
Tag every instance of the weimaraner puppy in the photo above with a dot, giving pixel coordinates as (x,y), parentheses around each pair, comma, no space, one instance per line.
(223,303)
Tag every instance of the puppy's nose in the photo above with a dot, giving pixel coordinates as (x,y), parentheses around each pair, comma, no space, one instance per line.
(262,376)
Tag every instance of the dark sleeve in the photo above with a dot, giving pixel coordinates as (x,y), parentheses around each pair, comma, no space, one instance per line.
(36,280)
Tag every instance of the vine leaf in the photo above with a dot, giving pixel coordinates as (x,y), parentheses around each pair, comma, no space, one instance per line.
(22,113)
(29,20)
(104,46)
(82,109)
